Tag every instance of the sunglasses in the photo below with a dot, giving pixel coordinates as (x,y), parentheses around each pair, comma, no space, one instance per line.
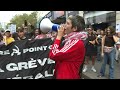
(90,30)
(108,30)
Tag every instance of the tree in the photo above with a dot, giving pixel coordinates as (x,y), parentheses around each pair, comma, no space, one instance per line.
(1,29)
(19,19)
(7,25)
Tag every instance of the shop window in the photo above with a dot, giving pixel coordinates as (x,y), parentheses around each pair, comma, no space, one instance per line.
(100,18)
(111,16)
(73,13)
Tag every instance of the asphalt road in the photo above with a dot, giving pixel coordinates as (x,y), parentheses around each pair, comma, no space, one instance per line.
(92,75)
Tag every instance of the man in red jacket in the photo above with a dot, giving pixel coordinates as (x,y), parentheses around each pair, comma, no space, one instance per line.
(69,57)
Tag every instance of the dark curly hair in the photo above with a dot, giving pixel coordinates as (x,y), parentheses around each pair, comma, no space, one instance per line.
(112,30)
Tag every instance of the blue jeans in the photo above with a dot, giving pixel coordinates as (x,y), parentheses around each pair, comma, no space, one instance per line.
(99,53)
(108,56)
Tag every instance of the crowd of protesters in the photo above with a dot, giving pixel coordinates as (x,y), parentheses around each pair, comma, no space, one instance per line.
(6,37)
(101,45)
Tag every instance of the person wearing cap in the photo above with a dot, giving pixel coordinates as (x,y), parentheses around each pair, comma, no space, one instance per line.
(7,38)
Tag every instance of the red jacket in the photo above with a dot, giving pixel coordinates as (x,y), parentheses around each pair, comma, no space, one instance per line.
(68,58)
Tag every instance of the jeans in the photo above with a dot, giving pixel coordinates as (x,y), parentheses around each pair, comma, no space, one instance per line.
(117,54)
(108,56)
(99,53)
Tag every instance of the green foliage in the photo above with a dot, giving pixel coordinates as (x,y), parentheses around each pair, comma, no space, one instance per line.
(1,29)
(19,19)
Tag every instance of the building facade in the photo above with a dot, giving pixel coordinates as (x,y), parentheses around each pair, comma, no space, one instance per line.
(97,19)
(100,19)
(117,17)
(61,16)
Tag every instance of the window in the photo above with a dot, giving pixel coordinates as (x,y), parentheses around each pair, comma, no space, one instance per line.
(90,20)
(73,13)
(100,18)
(85,12)
(111,16)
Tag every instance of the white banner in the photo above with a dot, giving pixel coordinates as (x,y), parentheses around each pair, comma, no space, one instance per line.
(12,28)
(117,28)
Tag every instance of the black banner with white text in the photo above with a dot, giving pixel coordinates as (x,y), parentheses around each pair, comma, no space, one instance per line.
(26,60)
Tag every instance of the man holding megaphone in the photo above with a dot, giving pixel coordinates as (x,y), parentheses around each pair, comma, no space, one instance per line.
(69,57)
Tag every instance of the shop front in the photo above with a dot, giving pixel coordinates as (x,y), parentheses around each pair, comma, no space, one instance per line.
(58,17)
(102,21)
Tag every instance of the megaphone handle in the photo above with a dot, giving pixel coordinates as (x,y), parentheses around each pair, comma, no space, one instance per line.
(55,27)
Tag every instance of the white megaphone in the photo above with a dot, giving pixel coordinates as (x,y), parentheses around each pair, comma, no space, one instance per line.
(46,25)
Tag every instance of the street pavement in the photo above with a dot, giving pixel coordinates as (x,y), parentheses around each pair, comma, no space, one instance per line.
(89,74)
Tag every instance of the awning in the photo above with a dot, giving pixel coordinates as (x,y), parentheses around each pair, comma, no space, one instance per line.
(59,20)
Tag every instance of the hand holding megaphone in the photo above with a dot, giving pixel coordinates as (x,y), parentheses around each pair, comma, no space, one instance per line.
(61,32)
(46,25)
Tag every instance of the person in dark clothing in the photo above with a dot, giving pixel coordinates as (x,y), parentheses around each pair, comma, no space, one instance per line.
(108,52)
(36,32)
(21,35)
(15,36)
(28,35)
(91,49)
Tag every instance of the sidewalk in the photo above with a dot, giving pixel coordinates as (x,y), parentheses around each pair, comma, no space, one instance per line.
(92,75)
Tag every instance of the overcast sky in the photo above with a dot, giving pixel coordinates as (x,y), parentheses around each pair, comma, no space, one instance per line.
(6,16)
